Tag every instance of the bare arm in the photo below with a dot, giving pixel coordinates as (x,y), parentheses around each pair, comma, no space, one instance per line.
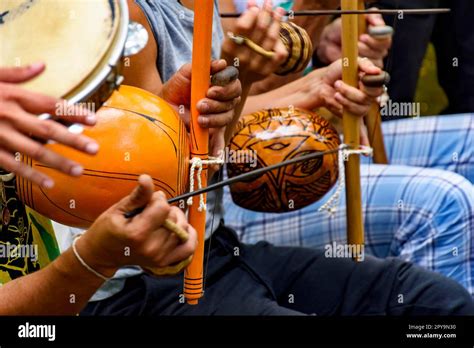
(302,93)
(62,288)
(141,70)
(65,286)
(322,87)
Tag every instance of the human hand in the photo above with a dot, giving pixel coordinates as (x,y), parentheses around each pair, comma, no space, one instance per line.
(114,241)
(261,26)
(338,95)
(22,131)
(374,48)
(216,111)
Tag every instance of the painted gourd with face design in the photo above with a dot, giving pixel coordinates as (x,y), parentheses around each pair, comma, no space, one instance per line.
(277,135)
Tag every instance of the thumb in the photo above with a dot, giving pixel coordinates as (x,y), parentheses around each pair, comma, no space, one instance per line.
(177,90)
(218,65)
(367,66)
(139,197)
(21,74)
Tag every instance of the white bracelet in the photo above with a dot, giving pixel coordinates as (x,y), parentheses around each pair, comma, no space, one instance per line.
(89,268)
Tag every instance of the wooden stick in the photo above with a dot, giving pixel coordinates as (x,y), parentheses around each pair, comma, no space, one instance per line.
(201,67)
(351,125)
(373,120)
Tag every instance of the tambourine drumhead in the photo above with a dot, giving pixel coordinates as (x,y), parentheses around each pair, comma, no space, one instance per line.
(72,37)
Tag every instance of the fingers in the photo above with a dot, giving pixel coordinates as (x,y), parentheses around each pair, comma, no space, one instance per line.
(165,239)
(177,90)
(365,65)
(210,106)
(364,138)
(226,93)
(218,65)
(17,142)
(182,251)
(373,48)
(352,93)
(168,248)
(352,99)
(217,144)
(21,74)
(264,22)
(10,164)
(217,120)
(273,31)
(34,103)
(51,130)
(372,92)
(262,27)
(375,19)
(74,114)
(246,23)
(139,197)
(217,110)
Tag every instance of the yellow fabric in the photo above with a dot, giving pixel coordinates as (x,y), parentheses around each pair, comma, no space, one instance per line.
(35,238)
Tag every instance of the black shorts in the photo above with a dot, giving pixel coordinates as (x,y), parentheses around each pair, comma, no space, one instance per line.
(262,279)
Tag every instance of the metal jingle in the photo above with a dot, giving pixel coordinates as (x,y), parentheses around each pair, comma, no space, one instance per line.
(137,39)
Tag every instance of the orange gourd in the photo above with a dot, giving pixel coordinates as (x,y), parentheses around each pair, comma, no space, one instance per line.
(276,135)
(139,133)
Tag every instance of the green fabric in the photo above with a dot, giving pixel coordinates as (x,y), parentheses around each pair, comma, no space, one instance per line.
(47,237)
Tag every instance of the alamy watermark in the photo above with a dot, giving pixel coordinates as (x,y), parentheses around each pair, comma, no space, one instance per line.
(13,251)
(400,109)
(345,251)
(28,330)
(67,109)
(249,157)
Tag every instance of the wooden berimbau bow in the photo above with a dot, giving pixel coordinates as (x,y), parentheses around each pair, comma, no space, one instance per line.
(351,125)
(201,67)
(352,27)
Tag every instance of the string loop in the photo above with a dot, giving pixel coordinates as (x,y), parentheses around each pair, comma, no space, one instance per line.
(197,164)
(343,155)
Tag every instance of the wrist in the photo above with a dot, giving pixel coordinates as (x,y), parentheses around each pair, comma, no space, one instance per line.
(95,257)
(310,96)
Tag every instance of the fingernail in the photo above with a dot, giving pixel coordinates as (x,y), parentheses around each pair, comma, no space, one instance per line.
(92,148)
(76,171)
(91,120)
(204,107)
(338,84)
(47,183)
(162,194)
(36,66)
(203,121)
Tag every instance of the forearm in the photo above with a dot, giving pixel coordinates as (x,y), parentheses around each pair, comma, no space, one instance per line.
(302,93)
(273,82)
(314,25)
(62,288)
